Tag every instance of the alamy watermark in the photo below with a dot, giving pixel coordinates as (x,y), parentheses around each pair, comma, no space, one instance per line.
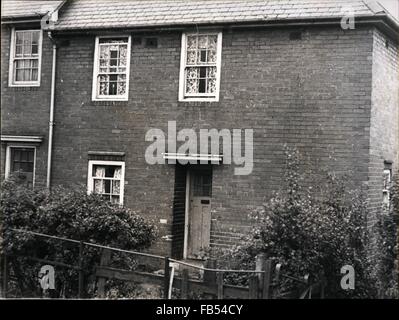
(195,147)
(47,277)
(348,17)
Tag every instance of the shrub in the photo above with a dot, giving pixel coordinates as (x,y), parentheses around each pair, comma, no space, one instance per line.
(311,232)
(67,213)
(386,229)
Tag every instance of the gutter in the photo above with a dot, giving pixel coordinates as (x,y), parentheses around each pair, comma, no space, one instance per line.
(386,23)
(52,104)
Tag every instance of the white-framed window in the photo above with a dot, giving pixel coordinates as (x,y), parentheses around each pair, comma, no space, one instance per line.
(200,64)
(107,178)
(386,194)
(111,68)
(25,58)
(21,164)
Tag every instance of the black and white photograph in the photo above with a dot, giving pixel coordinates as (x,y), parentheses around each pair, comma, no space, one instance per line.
(212,151)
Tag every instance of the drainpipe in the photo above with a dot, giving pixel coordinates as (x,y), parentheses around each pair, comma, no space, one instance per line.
(52,103)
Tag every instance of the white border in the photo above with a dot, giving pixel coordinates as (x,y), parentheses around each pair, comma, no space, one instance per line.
(94,96)
(106,163)
(8,159)
(183,57)
(11,82)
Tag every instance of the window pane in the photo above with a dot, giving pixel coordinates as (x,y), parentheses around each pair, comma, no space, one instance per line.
(18,51)
(26,74)
(113,84)
(107,184)
(212,56)
(35,37)
(202,42)
(19,38)
(212,42)
(192,80)
(103,85)
(19,75)
(192,43)
(115,199)
(22,159)
(202,56)
(191,57)
(35,73)
(35,49)
(27,50)
(116,187)
(113,66)
(123,55)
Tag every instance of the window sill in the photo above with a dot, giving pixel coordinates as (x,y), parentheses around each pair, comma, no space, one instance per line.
(109,100)
(105,103)
(193,99)
(24,85)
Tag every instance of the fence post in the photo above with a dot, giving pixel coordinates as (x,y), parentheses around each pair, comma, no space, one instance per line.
(81,275)
(253,287)
(104,261)
(210,276)
(267,279)
(4,287)
(219,281)
(184,284)
(166,278)
(264,278)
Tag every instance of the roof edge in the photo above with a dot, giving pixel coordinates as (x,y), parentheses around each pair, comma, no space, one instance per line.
(392,25)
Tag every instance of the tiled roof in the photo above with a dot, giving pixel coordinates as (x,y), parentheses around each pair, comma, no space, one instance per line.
(24,8)
(97,14)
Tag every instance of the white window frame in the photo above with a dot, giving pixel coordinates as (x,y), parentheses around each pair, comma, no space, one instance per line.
(94,96)
(387,191)
(11,82)
(90,180)
(7,168)
(183,64)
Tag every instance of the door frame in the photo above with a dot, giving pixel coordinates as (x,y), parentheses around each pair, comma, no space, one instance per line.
(187,213)
(187,207)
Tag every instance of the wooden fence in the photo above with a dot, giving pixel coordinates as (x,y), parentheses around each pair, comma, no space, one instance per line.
(262,280)
(212,283)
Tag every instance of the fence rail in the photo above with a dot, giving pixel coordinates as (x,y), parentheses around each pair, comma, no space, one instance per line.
(260,279)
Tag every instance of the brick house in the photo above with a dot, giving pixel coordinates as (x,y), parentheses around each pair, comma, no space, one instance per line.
(285,69)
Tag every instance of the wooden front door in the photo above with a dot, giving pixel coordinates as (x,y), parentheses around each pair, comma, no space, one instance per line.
(199,226)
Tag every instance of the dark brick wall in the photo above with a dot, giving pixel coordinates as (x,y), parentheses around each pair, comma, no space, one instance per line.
(25,111)
(384,127)
(313,93)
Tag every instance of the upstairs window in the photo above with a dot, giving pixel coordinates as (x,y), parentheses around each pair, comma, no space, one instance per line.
(111,68)
(107,179)
(25,58)
(200,67)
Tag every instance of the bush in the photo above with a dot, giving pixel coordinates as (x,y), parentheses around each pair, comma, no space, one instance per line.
(311,232)
(387,247)
(67,213)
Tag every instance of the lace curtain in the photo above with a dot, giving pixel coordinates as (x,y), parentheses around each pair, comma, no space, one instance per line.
(117,183)
(99,184)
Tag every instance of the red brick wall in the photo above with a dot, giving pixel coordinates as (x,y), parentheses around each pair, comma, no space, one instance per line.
(25,111)
(313,93)
(384,127)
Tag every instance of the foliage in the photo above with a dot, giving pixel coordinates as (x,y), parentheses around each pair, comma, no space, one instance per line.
(387,247)
(67,213)
(310,232)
